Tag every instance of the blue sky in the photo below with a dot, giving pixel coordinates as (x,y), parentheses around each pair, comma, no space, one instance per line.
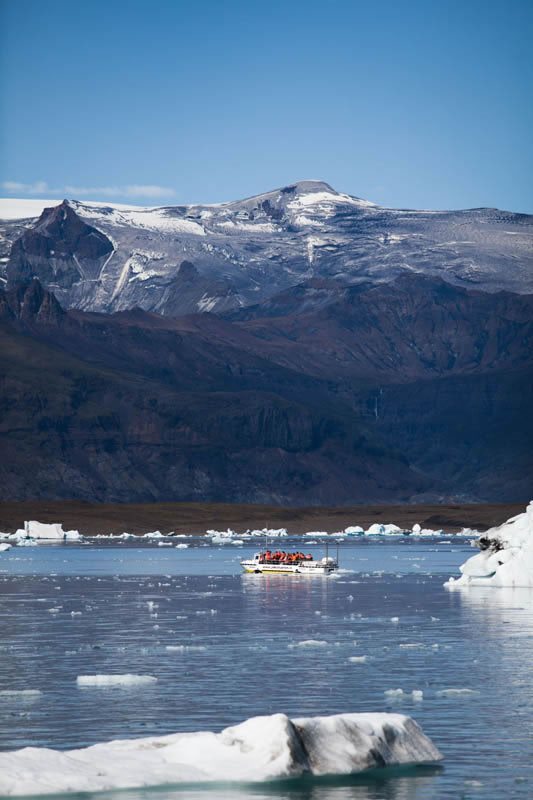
(410,104)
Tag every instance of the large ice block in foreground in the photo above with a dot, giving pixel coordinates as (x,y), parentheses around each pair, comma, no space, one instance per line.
(259,749)
(506,557)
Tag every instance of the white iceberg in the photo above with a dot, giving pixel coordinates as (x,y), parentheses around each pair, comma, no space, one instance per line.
(226,537)
(271,533)
(506,557)
(354,530)
(4,546)
(261,748)
(221,537)
(379,529)
(52,531)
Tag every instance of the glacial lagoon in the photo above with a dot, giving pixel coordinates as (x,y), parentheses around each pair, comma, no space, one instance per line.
(382,635)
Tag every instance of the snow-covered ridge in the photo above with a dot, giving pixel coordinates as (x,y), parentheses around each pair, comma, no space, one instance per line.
(261,748)
(506,557)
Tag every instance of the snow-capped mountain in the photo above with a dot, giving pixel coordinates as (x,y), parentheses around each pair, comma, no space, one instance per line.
(185,259)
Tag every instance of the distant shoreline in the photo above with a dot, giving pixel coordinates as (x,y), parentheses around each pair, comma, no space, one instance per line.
(195,518)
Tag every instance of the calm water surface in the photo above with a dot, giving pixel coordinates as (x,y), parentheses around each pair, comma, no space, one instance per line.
(226,646)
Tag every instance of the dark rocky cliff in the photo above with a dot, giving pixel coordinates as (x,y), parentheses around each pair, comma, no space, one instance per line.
(398,392)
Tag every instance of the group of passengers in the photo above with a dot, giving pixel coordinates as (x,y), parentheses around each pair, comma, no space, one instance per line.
(281,557)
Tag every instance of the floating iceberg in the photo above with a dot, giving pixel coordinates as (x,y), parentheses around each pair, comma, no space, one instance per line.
(42,530)
(221,537)
(378,529)
(4,546)
(354,530)
(261,748)
(506,557)
(226,537)
(272,533)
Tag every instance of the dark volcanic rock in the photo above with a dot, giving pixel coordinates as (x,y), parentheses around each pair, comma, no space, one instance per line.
(133,405)
(61,249)
(401,392)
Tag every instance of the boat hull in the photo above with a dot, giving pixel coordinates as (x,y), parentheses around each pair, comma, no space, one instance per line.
(304,568)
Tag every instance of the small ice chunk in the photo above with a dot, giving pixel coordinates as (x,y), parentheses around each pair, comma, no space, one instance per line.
(115,680)
(456,692)
(357,659)
(182,546)
(309,643)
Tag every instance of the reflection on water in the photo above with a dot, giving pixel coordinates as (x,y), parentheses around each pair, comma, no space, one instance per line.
(225,647)
(391,784)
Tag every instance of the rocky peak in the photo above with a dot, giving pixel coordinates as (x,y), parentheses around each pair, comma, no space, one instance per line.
(308,187)
(60,249)
(30,302)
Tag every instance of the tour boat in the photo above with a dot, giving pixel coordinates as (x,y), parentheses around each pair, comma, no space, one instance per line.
(292,564)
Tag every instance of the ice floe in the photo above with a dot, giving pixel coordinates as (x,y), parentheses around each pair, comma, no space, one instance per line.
(506,557)
(115,680)
(309,643)
(399,694)
(261,748)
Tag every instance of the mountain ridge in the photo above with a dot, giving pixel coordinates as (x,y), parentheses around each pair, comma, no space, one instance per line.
(243,252)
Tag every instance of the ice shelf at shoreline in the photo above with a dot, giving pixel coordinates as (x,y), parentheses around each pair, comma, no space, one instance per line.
(259,749)
(506,557)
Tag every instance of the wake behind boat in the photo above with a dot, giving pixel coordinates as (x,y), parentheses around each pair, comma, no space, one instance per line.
(297,563)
